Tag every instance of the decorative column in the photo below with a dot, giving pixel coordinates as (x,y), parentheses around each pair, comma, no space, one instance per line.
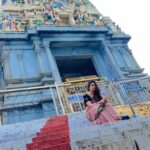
(38,54)
(125,56)
(4,117)
(1,68)
(131,57)
(52,63)
(118,57)
(6,63)
(21,63)
(115,69)
(101,65)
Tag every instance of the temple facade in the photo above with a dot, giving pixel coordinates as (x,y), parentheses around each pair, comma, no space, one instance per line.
(44,42)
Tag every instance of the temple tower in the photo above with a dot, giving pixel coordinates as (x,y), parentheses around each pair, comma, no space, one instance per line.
(44,41)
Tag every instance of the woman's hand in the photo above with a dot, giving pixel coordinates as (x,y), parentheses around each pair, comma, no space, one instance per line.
(89,104)
(104,101)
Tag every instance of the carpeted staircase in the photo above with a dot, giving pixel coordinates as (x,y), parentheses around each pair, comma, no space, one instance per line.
(53,136)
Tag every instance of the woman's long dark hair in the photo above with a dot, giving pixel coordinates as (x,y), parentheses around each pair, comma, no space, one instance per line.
(97,93)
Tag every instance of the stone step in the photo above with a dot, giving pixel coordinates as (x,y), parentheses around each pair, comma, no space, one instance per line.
(126,144)
(53,136)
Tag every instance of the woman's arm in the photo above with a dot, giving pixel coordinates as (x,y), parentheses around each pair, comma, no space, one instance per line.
(88,103)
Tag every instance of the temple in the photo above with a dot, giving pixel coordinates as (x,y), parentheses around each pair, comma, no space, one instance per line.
(45,42)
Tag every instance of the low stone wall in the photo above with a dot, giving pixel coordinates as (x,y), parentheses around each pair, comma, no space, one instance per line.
(121,135)
(16,136)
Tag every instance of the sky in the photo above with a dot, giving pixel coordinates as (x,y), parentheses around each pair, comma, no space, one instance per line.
(133,16)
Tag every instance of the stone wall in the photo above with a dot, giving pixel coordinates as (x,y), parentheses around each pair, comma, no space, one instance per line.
(16,136)
(112,136)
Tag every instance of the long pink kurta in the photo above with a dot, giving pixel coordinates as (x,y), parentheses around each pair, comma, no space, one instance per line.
(107,115)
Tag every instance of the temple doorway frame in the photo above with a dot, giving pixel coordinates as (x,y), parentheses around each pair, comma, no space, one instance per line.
(91,57)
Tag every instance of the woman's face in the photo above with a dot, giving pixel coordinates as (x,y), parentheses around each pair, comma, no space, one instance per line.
(92,87)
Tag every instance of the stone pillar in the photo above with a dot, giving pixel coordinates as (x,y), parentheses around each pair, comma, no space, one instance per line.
(21,63)
(38,54)
(6,63)
(132,57)
(127,57)
(115,67)
(100,64)
(1,67)
(118,57)
(0,121)
(52,63)
(4,117)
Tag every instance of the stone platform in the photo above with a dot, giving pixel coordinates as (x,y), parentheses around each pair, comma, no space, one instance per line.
(122,135)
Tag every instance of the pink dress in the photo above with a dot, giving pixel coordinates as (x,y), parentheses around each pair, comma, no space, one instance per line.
(107,115)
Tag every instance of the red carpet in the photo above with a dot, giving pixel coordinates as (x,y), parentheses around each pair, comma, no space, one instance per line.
(53,136)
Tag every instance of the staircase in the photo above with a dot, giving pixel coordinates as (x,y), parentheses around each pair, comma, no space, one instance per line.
(53,136)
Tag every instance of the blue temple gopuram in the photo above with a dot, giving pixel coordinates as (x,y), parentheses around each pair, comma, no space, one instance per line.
(44,42)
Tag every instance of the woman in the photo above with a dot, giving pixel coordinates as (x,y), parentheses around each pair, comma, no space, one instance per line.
(98,110)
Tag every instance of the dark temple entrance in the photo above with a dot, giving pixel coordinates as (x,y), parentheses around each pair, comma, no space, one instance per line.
(75,67)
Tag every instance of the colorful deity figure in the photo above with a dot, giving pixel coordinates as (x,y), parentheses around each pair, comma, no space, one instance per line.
(89,19)
(13,1)
(32,23)
(4,2)
(31,13)
(83,7)
(49,15)
(40,21)
(71,5)
(92,20)
(78,2)
(58,5)
(26,2)
(57,18)
(20,1)
(97,21)
(77,16)
(38,13)
(18,24)
(12,24)
(36,2)
(25,23)
(84,17)
(6,24)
